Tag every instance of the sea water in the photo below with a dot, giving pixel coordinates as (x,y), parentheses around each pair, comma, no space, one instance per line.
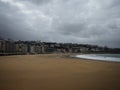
(102,57)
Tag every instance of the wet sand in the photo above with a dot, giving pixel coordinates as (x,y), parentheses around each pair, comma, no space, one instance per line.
(57,72)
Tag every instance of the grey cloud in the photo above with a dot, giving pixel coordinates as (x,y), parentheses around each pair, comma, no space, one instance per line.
(12,24)
(78,21)
(37,2)
(71,29)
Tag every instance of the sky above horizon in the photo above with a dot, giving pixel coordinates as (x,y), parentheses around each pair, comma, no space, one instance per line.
(70,21)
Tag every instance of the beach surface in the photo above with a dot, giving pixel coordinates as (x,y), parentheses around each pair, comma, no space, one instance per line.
(57,72)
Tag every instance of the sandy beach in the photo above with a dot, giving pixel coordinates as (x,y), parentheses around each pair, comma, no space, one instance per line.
(57,72)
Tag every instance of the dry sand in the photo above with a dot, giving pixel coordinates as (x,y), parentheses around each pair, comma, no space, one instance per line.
(57,72)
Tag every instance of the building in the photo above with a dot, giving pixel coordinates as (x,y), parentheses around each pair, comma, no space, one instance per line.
(10,46)
(37,49)
(84,49)
(76,49)
(21,48)
(0,46)
(3,46)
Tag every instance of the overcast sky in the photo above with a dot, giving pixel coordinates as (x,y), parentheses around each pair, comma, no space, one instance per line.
(75,21)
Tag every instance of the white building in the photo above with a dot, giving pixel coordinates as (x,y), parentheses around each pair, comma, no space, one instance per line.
(32,49)
(83,49)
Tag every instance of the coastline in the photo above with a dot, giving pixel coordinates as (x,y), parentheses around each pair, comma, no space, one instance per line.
(98,57)
(57,72)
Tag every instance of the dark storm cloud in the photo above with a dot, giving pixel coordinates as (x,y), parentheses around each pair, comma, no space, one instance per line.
(12,24)
(79,21)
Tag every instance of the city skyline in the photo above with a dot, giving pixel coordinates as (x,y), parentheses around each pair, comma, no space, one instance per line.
(70,21)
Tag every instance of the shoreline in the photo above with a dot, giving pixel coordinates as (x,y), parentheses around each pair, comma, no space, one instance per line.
(73,56)
(96,58)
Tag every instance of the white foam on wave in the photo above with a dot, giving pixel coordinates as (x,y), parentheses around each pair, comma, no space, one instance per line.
(97,57)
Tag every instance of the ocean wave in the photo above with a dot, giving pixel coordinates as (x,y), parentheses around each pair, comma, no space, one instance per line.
(102,57)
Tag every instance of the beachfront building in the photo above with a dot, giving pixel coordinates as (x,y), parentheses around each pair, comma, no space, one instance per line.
(21,48)
(3,46)
(1,51)
(58,50)
(76,49)
(32,49)
(10,47)
(95,49)
(70,50)
(57,45)
(7,47)
(84,49)
(43,47)
(0,46)
(37,49)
